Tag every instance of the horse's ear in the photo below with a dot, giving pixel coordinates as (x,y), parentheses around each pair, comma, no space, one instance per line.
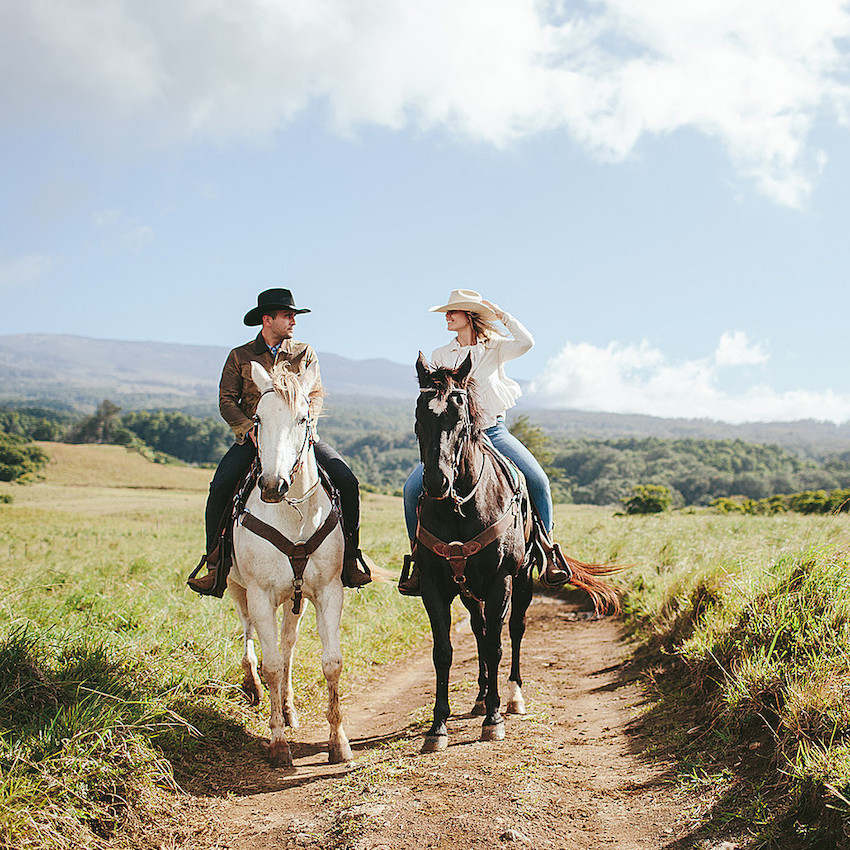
(462,371)
(260,376)
(422,370)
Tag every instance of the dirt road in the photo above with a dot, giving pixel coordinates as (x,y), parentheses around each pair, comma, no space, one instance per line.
(572,773)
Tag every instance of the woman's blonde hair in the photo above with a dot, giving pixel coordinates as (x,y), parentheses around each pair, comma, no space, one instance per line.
(483,329)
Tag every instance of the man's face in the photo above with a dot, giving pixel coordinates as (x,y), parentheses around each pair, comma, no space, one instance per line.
(282,326)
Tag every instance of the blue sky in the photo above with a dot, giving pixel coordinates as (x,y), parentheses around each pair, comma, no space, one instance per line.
(659,191)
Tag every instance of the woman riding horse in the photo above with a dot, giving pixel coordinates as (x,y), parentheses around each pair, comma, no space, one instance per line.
(472,319)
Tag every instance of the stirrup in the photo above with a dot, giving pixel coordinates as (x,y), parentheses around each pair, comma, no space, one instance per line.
(408,582)
(355,569)
(555,572)
(212,583)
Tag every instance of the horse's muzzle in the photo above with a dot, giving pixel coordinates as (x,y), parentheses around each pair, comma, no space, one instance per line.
(436,486)
(273,491)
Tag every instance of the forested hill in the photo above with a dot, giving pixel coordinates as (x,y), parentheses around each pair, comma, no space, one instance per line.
(379,443)
(78,373)
(810,437)
(162,399)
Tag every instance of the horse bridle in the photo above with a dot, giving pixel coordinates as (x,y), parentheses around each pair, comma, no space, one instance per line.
(456,553)
(465,436)
(309,440)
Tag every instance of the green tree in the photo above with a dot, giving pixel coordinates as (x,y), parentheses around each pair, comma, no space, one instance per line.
(101,427)
(179,435)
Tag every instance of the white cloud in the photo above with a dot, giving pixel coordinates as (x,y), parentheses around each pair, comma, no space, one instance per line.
(23,272)
(734,349)
(754,76)
(641,379)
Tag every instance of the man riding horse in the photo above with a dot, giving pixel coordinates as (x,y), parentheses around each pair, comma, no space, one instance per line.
(238,398)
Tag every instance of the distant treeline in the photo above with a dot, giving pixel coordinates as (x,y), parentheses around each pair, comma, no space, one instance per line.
(695,471)
(807,502)
(382,450)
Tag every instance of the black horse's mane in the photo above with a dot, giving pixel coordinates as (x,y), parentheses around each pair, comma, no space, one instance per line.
(444,381)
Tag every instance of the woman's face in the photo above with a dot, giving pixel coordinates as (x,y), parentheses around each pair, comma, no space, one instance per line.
(456,320)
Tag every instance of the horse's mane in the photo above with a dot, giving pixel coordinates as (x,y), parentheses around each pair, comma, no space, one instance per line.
(444,381)
(286,384)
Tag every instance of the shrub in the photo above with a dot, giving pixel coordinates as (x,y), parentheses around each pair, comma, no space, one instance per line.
(648,499)
(18,457)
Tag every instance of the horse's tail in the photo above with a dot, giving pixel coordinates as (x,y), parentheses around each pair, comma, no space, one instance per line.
(605,597)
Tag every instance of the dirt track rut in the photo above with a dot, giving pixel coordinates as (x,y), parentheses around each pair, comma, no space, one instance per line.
(572,773)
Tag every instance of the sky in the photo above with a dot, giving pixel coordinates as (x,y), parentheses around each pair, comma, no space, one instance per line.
(659,190)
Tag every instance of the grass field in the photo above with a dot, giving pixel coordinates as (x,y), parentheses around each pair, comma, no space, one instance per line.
(116,679)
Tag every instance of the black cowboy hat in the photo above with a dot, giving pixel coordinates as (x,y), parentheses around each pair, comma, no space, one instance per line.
(268,302)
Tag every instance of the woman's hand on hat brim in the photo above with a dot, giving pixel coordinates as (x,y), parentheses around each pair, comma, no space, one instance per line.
(497,310)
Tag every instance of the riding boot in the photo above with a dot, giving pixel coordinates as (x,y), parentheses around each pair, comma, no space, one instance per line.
(557,571)
(355,567)
(408,583)
(205,585)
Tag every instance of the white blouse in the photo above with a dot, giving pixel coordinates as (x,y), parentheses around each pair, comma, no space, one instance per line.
(495,392)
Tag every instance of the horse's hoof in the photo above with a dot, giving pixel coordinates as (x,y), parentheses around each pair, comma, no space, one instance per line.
(251,690)
(280,756)
(479,709)
(339,753)
(495,732)
(435,743)
(516,701)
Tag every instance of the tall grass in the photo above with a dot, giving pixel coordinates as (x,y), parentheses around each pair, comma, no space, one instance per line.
(744,625)
(117,683)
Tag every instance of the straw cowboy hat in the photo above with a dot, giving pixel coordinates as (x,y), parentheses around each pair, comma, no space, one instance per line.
(468,300)
(270,300)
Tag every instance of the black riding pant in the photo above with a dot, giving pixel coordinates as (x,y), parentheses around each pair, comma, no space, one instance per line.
(235,464)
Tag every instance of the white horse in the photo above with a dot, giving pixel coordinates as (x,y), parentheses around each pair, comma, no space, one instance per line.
(289,500)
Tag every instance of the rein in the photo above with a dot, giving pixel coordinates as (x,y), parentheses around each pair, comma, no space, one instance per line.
(456,552)
(298,553)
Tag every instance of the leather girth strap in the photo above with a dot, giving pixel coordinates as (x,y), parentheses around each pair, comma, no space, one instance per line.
(298,553)
(457,553)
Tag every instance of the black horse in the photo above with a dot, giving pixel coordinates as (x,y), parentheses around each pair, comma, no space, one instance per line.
(476,537)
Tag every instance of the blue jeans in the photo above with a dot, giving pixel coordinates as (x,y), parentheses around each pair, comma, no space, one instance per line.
(506,443)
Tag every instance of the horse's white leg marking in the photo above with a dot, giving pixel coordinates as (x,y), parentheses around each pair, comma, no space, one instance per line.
(251,685)
(262,614)
(328,604)
(288,637)
(516,702)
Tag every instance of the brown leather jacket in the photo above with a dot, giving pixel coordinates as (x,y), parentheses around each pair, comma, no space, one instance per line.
(238,395)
